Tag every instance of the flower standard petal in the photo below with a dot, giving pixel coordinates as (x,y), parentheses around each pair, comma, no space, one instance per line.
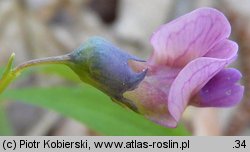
(189,37)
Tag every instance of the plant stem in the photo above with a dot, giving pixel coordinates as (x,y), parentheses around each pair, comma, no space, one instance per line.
(49,60)
(10,75)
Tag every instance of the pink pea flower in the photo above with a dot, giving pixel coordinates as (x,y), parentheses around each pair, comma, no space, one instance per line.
(188,67)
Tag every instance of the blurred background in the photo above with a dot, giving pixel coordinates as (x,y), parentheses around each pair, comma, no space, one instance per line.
(41,28)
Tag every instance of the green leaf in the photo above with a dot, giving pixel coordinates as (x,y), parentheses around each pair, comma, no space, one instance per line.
(9,65)
(1,71)
(92,108)
(8,75)
(4,125)
(60,70)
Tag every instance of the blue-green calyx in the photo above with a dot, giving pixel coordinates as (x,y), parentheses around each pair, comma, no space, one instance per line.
(104,66)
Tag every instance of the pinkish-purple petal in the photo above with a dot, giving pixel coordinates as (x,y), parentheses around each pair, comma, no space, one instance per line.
(188,37)
(223,49)
(221,91)
(151,95)
(190,80)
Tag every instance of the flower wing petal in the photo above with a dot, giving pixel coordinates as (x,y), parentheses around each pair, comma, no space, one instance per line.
(197,73)
(221,91)
(190,80)
(188,37)
(223,49)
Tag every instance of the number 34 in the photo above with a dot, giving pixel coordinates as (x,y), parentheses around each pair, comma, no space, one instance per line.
(240,144)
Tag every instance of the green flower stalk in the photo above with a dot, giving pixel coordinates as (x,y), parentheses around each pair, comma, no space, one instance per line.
(98,63)
(10,74)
